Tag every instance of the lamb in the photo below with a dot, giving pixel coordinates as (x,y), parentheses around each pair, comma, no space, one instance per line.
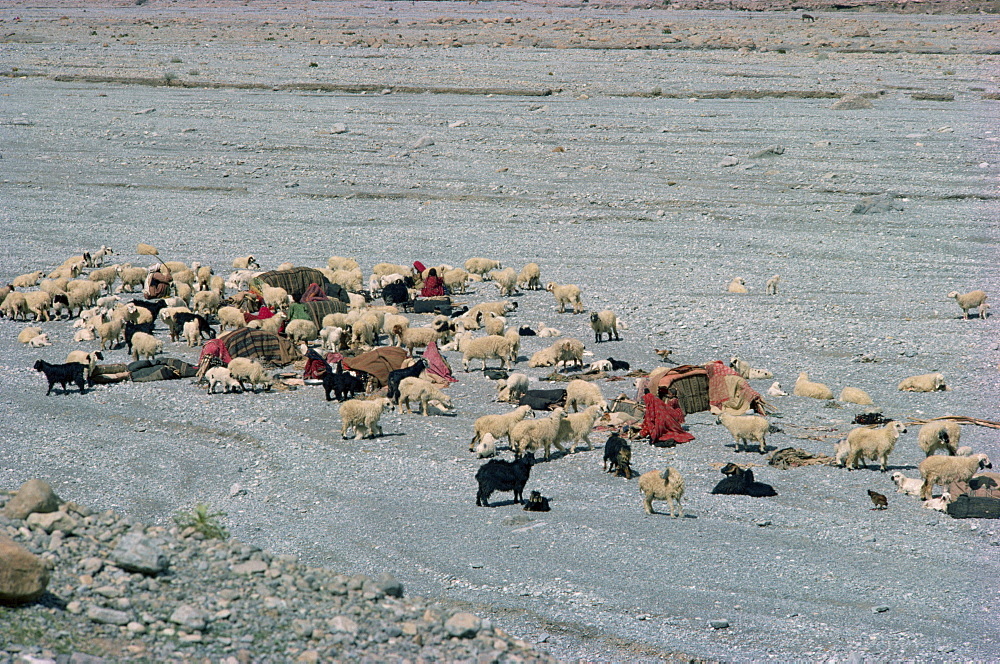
(604,322)
(244,369)
(501,308)
(618,456)
(300,330)
(206,302)
(932,382)
(84,334)
(245,263)
(806,388)
(418,389)
(576,427)
(394,324)
(39,341)
(494,325)
(107,276)
(840,451)
(506,281)
(971,300)
(130,277)
(455,280)
(550,356)
(342,263)
(486,447)
(486,348)
(939,434)
(192,333)
(145,345)
(546,331)
(89,360)
(583,393)
(184,277)
(873,444)
(183,291)
(498,426)
(530,277)
(665,485)
(746,428)
(512,388)
(203,327)
(240,279)
(110,333)
(964,450)
(230,317)
(909,486)
(417,337)
(481,266)
(363,416)
(571,350)
(15,306)
(500,475)
(29,280)
(737,285)
(343,384)
(272,325)
(776,391)
(97,258)
(939,504)
(397,376)
(138,315)
(332,338)
(275,297)
(71,372)
(28,333)
(855,395)
(744,369)
(771,287)
(527,436)
(221,375)
(943,470)
(740,482)
(566,294)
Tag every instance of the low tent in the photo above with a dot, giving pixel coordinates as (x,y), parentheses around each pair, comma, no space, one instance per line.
(377,363)
(296,282)
(269,349)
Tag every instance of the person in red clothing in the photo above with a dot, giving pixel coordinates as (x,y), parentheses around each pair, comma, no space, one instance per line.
(661,423)
(433,285)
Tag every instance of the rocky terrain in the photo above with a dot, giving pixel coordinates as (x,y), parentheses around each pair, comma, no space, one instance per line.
(639,161)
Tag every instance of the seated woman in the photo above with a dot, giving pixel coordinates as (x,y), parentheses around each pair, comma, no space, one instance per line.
(157,283)
(662,421)
(433,285)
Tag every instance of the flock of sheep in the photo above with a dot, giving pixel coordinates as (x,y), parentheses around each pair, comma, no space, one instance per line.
(84,289)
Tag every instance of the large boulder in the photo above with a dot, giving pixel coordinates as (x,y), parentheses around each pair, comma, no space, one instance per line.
(33,496)
(23,575)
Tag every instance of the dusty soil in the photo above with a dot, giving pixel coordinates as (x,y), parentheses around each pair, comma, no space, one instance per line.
(590,140)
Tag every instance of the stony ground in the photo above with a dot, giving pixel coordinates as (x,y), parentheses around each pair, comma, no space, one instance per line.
(602,161)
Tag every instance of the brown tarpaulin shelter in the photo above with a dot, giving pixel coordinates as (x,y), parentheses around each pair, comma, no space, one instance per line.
(377,363)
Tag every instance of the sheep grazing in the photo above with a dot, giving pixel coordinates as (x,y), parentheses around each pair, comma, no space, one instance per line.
(499,475)
(363,416)
(939,504)
(666,485)
(527,436)
(39,303)
(746,428)
(332,338)
(110,333)
(604,322)
(566,294)
(776,391)
(744,369)
(207,302)
(497,426)
(909,486)
(873,444)
(342,263)
(301,331)
(771,287)
(939,435)
(245,263)
(943,470)
(840,451)
(422,391)
(245,370)
(455,280)
(499,308)
(932,382)
(28,333)
(576,427)
(481,266)
(29,280)
(737,285)
(486,447)
(618,456)
(971,300)
(512,388)
(130,277)
(15,306)
(878,500)
(855,395)
(230,317)
(506,281)
(71,372)
(740,482)
(486,348)
(530,277)
(418,337)
(563,351)
(583,393)
(221,375)
(807,388)
(145,345)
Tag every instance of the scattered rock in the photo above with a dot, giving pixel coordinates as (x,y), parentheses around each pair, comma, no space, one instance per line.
(104,616)
(137,553)
(49,521)
(728,162)
(463,625)
(338,128)
(877,205)
(851,103)
(188,617)
(33,496)
(882,608)
(719,624)
(770,151)
(23,575)
(422,142)
(250,567)
(342,624)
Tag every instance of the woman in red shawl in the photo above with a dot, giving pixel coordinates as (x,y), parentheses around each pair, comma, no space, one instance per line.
(433,285)
(662,422)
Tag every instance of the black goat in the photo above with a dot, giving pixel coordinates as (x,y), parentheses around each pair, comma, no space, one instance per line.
(537,503)
(343,384)
(204,327)
(526,331)
(132,328)
(153,307)
(500,475)
(397,375)
(739,482)
(619,365)
(395,293)
(618,456)
(71,372)
(544,399)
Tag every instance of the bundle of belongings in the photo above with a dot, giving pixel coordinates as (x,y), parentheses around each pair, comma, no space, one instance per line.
(979,498)
(143,371)
(271,350)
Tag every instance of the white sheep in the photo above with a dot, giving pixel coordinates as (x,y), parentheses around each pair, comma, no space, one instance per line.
(28,333)
(874,444)
(566,294)
(204,276)
(130,277)
(275,297)
(771,287)
(486,348)
(206,302)
(807,388)
(145,345)
(350,280)
(107,276)
(300,330)
(55,286)
(939,504)
(560,351)
(546,331)
(746,428)
(332,338)
(494,325)
(363,416)
(183,291)
(970,300)
(667,485)
(964,450)
(486,447)
(499,308)
(29,280)
(744,369)
(39,341)
(527,436)
(571,350)
(244,369)
(577,426)
(271,325)
(221,375)
(336,320)
(530,277)
(512,388)
(192,333)
(174,266)
(15,306)
(84,334)
(240,279)
(943,470)
(604,322)
(909,486)
(417,337)
(840,451)
(776,391)
(737,285)
(855,395)
(230,317)
(932,382)
(481,266)
(506,281)
(498,426)
(455,280)
(110,333)
(245,263)
(583,393)
(394,325)
(422,391)
(939,434)
(342,263)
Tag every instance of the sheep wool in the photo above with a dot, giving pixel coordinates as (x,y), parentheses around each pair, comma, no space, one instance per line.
(932,382)
(604,322)
(363,416)
(943,470)
(738,286)
(566,294)
(583,393)
(807,388)
(497,426)
(939,435)
(873,444)
(145,345)
(746,429)
(412,389)
(971,300)
(855,395)
(527,436)
(666,485)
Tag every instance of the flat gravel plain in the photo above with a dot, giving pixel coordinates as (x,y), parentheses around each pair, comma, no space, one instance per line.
(604,165)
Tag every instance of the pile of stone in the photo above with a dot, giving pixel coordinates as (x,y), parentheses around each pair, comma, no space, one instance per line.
(78,587)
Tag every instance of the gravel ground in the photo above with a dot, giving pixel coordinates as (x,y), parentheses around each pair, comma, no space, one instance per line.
(605,186)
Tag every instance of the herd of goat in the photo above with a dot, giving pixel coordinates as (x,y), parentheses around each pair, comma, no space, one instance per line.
(86,290)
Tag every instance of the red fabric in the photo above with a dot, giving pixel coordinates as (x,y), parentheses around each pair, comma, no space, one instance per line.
(217,348)
(418,266)
(436,364)
(674,411)
(717,392)
(262,314)
(433,287)
(314,369)
(314,294)
(660,422)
